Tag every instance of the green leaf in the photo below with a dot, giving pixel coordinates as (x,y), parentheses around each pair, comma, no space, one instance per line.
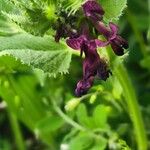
(100,116)
(37,52)
(113,9)
(25,98)
(35,17)
(100,144)
(27,41)
(8,28)
(82,115)
(5,6)
(9,64)
(97,120)
(81,141)
(36,27)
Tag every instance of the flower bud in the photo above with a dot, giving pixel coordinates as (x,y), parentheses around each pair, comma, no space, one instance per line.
(72,104)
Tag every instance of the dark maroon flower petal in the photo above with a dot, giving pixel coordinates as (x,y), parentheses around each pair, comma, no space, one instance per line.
(102,71)
(90,65)
(75,43)
(100,43)
(91,58)
(83,86)
(118,50)
(114,30)
(102,29)
(118,44)
(93,10)
(121,42)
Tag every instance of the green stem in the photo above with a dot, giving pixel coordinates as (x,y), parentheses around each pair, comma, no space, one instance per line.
(16,131)
(75,124)
(66,118)
(134,110)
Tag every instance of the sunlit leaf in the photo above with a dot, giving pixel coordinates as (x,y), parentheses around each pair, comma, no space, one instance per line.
(81,141)
(100,116)
(37,52)
(113,8)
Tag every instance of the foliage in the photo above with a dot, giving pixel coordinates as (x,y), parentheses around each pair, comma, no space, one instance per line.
(113,9)
(42,111)
(37,52)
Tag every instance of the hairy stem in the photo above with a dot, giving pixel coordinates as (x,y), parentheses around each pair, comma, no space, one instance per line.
(134,110)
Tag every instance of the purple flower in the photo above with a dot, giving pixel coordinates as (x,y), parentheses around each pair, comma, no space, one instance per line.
(118,44)
(93,10)
(83,86)
(103,72)
(80,37)
(93,65)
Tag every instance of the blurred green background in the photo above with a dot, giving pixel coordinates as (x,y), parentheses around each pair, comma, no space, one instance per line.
(38,112)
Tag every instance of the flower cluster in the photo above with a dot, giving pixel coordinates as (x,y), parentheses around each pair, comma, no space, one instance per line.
(81,39)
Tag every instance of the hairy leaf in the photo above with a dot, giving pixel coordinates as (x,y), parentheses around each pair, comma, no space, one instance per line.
(8,28)
(9,64)
(37,52)
(113,8)
(35,17)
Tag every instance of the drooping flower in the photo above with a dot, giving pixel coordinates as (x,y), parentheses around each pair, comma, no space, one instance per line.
(93,10)
(83,86)
(93,65)
(81,37)
(118,43)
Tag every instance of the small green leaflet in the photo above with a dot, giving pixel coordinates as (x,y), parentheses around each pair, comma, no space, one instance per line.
(37,52)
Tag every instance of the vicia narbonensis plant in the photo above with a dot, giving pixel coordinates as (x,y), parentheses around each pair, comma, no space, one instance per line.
(81,37)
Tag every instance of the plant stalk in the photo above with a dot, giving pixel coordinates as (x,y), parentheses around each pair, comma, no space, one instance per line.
(134,110)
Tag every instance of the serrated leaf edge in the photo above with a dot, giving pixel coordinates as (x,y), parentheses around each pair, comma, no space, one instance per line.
(4,53)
